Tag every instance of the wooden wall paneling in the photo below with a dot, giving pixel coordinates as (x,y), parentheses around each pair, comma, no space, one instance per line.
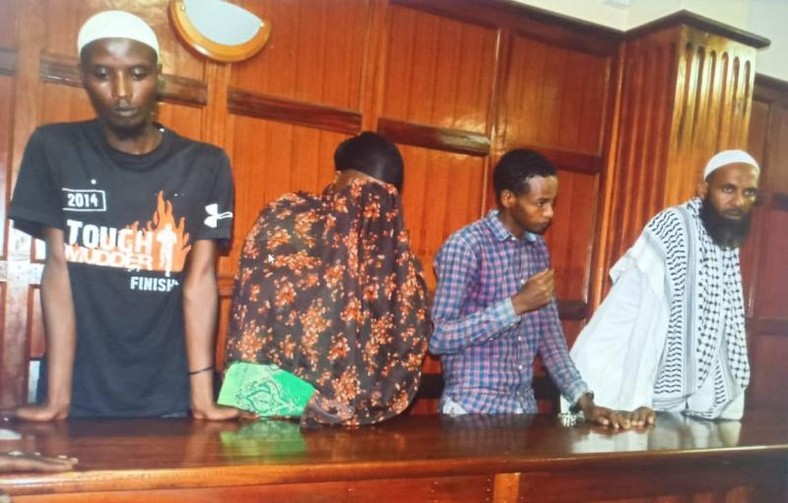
(22,103)
(439,71)
(444,139)
(374,70)
(442,193)
(63,104)
(763,256)
(571,235)
(315,53)
(243,102)
(685,94)
(634,174)
(768,352)
(771,300)
(555,97)
(9,348)
(768,246)
(750,257)
(63,70)
(548,27)
(272,158)
(711,109)
(436,94)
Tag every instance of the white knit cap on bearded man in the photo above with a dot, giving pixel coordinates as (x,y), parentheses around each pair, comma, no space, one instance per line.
(729,191)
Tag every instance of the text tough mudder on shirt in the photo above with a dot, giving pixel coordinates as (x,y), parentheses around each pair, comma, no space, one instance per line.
(161,245)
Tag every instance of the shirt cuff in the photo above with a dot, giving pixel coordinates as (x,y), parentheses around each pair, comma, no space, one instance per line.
(505,312)
(576,391)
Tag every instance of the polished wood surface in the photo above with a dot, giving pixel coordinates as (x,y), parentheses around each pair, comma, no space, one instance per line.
(763,257)
(472,458)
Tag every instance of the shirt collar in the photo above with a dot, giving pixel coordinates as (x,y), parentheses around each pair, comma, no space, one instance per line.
(500,231)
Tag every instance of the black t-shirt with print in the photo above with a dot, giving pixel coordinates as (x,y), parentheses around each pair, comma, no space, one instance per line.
(129,222)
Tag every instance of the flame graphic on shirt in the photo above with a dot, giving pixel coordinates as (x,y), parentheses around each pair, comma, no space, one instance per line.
(171,241)
(161,244)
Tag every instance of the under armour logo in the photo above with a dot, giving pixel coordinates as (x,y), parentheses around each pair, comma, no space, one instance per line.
(212,220)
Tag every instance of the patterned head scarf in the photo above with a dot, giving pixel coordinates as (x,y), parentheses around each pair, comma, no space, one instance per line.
(373,155)
(329,291)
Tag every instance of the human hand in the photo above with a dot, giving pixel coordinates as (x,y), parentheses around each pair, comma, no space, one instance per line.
(607,417)
(17,461)
(537,291)
(642,416)
(213,412)
(602,415)
(47,411)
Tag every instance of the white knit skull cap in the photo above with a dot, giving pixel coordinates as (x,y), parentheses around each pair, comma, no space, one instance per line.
(727,157)
(116,24)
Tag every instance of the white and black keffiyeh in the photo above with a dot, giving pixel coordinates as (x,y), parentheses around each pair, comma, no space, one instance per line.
(706,337)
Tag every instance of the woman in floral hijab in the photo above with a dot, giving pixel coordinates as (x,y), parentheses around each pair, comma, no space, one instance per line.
(329,291)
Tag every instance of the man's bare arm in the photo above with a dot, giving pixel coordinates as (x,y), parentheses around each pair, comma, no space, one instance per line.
(60,327)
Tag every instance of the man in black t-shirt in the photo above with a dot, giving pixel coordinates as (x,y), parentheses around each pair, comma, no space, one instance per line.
(132,215)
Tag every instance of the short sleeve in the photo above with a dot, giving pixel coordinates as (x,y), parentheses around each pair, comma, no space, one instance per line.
(36,202)
(217,223)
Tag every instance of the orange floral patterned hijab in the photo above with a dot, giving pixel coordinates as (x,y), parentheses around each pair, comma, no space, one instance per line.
(329,290)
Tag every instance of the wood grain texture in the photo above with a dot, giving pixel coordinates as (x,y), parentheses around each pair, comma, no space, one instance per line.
(439,71)
(174,89)
(763,256)
(442,192)
(712,107)
(554,97)
(11,341)
(702,24)
(312,115)
(412,458)
(17,245)
(538,24)
(315,53)
(447,140)
(685,94)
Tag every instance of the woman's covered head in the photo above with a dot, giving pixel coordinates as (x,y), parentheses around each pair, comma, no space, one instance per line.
(373,155)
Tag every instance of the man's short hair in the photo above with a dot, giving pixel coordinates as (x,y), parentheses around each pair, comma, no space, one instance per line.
(518,166)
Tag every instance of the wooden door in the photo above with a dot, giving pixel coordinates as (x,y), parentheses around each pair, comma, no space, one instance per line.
(764,255)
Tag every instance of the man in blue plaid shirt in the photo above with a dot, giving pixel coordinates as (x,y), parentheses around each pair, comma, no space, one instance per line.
(494,306)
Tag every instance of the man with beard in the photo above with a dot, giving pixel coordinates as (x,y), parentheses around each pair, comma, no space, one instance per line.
(494,307)
(126,335)
(670,335)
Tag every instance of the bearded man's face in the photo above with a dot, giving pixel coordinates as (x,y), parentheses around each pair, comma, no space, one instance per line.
(729,194)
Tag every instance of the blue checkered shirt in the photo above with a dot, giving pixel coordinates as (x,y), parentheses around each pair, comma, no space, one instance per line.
(487,350)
